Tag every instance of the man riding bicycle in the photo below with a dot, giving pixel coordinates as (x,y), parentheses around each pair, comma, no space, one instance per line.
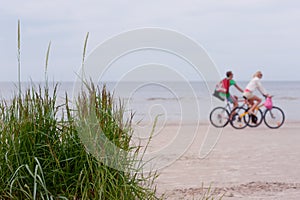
(226,83)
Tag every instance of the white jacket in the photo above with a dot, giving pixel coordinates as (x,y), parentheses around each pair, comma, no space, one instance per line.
(256,84)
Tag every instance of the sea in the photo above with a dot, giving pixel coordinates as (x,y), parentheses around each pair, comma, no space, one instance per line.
(170,102)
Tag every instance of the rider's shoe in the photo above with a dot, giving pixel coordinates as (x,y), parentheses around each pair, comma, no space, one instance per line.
(253,119)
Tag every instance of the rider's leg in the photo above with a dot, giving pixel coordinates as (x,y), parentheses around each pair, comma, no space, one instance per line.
(234,101)
(250,103)
(254,101)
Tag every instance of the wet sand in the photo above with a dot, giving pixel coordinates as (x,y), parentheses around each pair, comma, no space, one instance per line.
(253,163)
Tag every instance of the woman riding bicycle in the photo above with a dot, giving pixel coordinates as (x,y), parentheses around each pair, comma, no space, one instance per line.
(254,84)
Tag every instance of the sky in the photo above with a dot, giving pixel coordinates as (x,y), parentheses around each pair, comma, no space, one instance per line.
(242,36)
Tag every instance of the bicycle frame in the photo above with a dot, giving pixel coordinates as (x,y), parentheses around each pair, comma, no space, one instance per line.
(257,108)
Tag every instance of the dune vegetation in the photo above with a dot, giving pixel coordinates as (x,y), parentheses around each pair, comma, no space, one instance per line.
(42,155)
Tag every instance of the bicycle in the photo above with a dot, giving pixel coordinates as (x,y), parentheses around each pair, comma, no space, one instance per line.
(273,117)
(220,116)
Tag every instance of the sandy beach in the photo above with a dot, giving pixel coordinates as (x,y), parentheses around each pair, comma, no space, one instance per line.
(253,163)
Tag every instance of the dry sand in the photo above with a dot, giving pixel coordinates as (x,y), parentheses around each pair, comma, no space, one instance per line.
(253,163)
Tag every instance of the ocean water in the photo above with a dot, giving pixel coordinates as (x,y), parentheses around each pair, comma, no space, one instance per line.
(174,102)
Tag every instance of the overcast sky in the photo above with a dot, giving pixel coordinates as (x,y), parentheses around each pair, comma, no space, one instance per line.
(240,35)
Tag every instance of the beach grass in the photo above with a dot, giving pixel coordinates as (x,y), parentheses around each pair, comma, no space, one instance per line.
(42,156)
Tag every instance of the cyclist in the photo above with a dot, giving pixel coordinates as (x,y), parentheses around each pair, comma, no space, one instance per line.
(227,82)
(250,88)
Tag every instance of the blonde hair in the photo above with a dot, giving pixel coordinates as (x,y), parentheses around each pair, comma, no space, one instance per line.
(256,74)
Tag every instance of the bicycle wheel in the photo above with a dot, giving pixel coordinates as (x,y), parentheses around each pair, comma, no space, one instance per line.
(239,118)
(219,117)
(274,118)
(255,122)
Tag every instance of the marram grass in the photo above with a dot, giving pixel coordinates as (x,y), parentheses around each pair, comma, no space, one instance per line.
(42,156)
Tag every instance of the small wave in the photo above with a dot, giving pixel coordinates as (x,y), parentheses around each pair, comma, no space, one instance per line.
(289,98)
(162,99)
